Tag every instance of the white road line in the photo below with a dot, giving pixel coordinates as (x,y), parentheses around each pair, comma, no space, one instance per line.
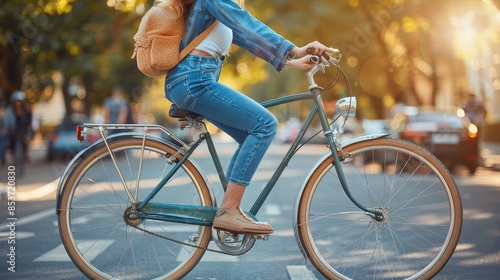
(273,210)
(91,248)
(300,272)
(4,236)
(58,254)
(38,192)
(32,218)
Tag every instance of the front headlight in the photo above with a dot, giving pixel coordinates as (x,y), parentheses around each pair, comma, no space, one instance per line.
(346,107)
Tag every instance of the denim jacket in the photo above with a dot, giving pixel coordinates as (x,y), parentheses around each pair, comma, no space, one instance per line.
(248,32)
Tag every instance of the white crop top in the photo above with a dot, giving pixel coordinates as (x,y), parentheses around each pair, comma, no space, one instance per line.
(218,41)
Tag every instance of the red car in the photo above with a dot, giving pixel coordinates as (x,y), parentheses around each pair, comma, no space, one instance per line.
(448,134)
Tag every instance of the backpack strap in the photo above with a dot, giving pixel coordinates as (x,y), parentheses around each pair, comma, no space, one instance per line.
(197,41)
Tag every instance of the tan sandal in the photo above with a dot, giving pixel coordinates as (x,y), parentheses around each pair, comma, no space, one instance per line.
(236,221)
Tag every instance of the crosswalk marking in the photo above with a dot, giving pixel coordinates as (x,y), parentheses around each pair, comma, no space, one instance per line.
(32,218)
(4,236)
(38,193)
(58,254)
(296,272)
(94,247)
(273,210)
(90,247)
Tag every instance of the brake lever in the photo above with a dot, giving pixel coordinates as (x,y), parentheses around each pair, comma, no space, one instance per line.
(335,57)
(321,65)
(327,58)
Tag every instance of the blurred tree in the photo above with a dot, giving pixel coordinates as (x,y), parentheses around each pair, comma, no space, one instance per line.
(13,23)
(497,3)
(391,48)
(394,50)
(89,42)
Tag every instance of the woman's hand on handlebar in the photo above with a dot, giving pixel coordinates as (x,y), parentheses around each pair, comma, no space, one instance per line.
(303,63)
(315,47)
(304,53)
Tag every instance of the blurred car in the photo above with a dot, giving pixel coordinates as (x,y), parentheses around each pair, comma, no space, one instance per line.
(448,134)
(62,142)
(377,126)
(290,131)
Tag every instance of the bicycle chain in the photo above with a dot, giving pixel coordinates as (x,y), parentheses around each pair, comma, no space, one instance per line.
(184,243)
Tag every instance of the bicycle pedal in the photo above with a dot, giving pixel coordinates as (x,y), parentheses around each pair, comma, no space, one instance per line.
(223,235)
(263,237)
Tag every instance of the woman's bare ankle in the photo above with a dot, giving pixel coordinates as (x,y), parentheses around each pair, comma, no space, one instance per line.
(229,206)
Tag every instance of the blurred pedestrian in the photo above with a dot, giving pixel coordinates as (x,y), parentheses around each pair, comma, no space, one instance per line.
(3,131)
(116,108)
(475,109)
(19,117)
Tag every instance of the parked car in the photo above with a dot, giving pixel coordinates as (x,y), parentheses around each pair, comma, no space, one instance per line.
(448,134)
(377,126)
(62,142)
(289,132)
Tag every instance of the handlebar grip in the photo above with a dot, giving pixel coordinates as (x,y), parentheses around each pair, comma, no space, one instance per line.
(311,51)
(314,59)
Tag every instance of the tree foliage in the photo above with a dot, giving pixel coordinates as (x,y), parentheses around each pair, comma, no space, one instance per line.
(88,42)
(391,48)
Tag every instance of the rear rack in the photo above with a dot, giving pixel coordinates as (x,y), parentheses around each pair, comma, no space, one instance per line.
(82,130)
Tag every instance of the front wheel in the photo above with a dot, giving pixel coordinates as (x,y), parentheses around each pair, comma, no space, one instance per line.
(414,192)
(94,222)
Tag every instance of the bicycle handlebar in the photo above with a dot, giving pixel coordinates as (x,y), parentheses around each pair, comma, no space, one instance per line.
(345,106)
(332,58)
(321,62)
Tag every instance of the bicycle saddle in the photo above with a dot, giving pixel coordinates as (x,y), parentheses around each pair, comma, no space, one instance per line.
(179,113)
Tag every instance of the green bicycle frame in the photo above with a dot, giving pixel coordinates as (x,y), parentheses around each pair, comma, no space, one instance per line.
(203,215)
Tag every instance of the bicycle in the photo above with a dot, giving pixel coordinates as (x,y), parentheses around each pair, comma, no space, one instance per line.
(136,206)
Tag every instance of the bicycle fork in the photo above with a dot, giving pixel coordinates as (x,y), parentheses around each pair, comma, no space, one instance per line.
(347,108)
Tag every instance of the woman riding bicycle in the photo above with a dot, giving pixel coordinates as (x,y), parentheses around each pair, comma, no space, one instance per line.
(193,85)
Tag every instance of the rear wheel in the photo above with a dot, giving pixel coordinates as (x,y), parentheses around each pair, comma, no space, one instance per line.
(415,193)
(94,223)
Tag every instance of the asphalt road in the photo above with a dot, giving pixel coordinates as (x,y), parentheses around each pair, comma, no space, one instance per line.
(40,255)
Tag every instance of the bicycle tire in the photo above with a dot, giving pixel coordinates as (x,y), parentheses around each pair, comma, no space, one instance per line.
(92,206)
(419,200)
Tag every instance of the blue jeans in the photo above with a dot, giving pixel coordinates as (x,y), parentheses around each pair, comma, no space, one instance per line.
(193,85)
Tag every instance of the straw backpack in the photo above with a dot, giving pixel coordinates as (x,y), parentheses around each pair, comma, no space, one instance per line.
(157,42)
